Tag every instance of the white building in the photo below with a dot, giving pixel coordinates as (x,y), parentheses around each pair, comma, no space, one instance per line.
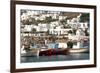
(80,32)
(42,27)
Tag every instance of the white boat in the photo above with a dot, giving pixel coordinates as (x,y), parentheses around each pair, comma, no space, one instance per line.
(32,51)
(81,50)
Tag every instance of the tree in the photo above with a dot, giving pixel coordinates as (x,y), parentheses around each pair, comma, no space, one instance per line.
(74,31)
(84,17)
(33,30)
(70,31)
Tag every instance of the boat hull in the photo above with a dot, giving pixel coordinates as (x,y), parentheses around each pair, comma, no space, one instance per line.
(49,52)
(54,52)
(84,50)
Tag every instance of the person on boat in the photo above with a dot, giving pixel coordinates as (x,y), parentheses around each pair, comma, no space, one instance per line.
(70,44)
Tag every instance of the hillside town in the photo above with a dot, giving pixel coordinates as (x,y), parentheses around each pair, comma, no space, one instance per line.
(45,30)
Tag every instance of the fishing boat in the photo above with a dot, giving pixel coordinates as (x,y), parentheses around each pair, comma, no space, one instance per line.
(32,52)
(81,50)
(54,52)
(49,52)
(62,51)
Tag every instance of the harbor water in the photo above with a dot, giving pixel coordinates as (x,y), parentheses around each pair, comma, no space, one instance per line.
(68,57)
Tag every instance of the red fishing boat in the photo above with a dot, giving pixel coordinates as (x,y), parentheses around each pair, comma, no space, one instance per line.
(54,52)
